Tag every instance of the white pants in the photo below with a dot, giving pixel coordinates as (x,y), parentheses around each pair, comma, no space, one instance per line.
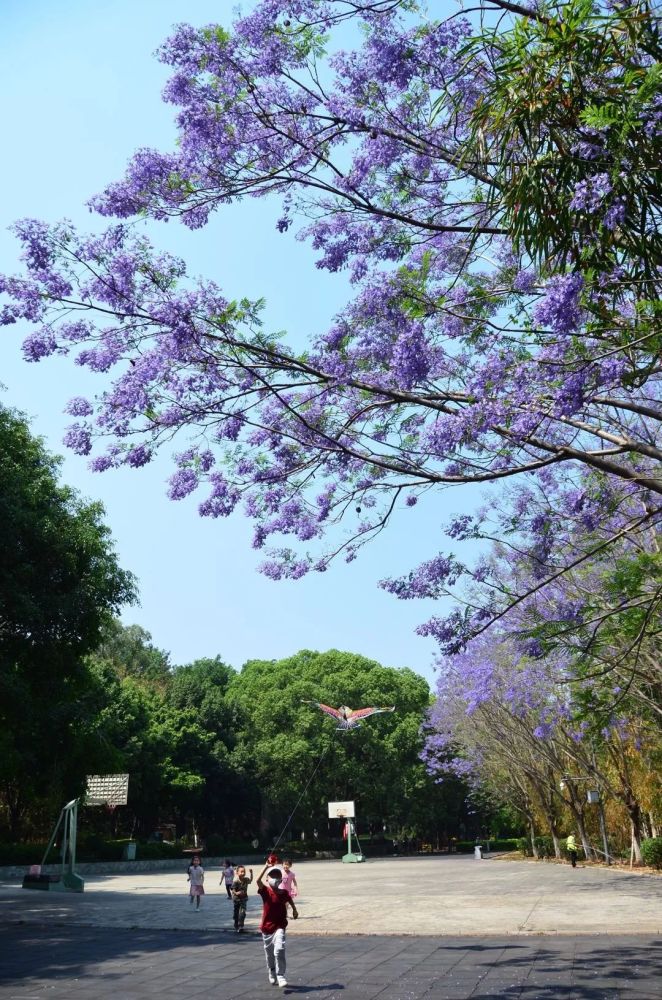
(274,950)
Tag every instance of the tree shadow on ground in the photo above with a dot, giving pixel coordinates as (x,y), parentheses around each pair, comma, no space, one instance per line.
(121,961)
(572,969)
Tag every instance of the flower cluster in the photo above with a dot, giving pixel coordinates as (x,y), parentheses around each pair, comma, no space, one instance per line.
(457,358)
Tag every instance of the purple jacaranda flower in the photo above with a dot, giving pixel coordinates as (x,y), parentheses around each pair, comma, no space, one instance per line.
(456,358)
(429,580)
(525,281)
(560,309)
(615,214)
(181,483)
(590,193)
(39,345)
(78,438)
(138,456)
(79,407)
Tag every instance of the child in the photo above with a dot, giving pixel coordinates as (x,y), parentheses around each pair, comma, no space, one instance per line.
(289,881)
(196,876)
(274,921)
(240,897)
(228,877)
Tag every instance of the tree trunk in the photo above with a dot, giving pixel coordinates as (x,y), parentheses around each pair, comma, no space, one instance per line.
(546,797)
(627,797)
(532,835)
(603,831)
(578,813)
(552,823)
(556,842)
(635,823)
(575,805)
(586,844)
(265,817)
(15,812)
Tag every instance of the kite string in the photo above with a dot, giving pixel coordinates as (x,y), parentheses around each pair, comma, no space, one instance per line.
(289,818)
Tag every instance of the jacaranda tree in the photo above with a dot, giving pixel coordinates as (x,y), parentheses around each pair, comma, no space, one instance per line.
(513,731)
(490,182)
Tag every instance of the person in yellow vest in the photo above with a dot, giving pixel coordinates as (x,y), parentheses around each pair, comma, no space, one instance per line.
(571,848)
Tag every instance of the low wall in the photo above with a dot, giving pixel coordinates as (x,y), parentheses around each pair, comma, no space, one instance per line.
(124,867)
(16,872)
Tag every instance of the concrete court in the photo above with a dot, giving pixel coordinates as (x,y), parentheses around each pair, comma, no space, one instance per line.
(429,928)
(448,894)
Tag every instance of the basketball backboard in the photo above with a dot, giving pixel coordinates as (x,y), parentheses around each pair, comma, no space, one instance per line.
(107,789)
(341,810)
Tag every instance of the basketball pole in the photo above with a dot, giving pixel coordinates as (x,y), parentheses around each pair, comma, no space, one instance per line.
(106,788)
(67,880)
(351,857)
(347,812)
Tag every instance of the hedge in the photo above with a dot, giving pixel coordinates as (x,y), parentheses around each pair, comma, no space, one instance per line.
(467,846)
(651,852)
(544,846)
(90,848)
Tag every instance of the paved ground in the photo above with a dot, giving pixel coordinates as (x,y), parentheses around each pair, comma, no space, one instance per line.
(91,964)
(447,928)
(449,894)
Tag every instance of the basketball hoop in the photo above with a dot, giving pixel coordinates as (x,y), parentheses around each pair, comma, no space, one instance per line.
(341,810)
(109,790)
(345,811)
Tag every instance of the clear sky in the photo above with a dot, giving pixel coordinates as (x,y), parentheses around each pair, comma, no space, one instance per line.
(81,92)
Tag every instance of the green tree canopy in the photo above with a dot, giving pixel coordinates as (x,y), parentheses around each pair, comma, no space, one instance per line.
(201,687)
(130,650)
(59,584)
(170,729)
(281,740)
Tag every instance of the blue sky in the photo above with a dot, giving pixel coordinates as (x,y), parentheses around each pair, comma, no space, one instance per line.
(82,92)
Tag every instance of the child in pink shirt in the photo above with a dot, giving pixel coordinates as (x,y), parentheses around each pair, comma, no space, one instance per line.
(289,880)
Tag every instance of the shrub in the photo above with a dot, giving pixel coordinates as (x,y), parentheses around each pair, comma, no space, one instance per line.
(545,847)
(93,847)
(524,846)
(507,844)
(25,854)
(157,852)
(651,852)
(89,848)
(215,845)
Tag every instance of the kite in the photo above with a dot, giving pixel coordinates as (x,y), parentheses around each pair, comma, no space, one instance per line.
(349,718)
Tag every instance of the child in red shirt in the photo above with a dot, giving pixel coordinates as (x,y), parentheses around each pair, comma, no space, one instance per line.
(274,921)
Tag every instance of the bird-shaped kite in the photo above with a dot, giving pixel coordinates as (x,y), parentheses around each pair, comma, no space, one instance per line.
(349,718)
